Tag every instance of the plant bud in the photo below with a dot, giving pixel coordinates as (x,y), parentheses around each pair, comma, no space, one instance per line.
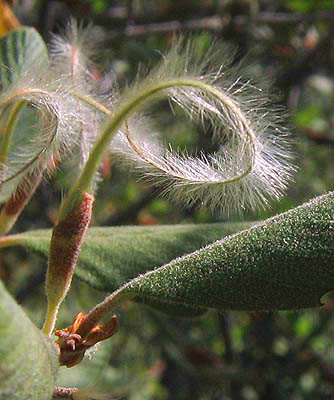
(65,246)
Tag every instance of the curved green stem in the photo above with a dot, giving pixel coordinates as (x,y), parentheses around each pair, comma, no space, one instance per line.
(50,318)
(25,92)
(11,240)
(102,309)
(92,102)
(18,95)
(10,129)
(119,117)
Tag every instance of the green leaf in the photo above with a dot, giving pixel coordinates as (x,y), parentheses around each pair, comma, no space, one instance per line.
(28,361)
(20,50)
(111,257)
(284,263)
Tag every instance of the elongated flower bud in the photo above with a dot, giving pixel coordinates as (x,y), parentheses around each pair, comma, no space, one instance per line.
(65,245)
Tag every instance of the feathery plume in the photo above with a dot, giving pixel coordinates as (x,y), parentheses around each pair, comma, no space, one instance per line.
(72,58)
(252,163)
(252,160)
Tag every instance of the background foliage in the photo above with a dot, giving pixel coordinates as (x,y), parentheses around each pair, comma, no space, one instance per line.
(218,356)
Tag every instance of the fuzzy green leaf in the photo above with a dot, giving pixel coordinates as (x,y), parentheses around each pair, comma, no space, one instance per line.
(20,50)
(110,257)
(28,361)
(284,263)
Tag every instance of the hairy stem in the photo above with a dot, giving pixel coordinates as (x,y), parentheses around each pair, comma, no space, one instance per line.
(92,102)
(19,95)
(10,129)
(10,241)
(134,103)
(51,318)
(102,309)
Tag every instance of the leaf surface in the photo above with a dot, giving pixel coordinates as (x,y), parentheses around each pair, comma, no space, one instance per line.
(20,50)
(28,361)
(284,263)
(110,257)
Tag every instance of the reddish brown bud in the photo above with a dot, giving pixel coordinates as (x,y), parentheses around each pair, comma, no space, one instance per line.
(65,246)
(66,241)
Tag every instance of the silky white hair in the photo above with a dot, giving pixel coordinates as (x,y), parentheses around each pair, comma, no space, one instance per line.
(252,162)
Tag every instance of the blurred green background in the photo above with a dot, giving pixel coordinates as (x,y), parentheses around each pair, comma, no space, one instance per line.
(220,356)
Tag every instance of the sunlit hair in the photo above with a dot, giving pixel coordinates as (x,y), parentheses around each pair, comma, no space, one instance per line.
(252,160)
(252,163)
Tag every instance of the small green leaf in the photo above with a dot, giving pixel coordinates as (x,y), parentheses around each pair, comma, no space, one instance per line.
(28,361)
(20,50)
(284,263)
